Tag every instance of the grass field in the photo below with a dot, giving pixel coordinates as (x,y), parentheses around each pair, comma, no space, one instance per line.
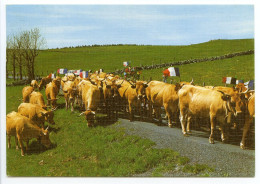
(111,57)
(105,150)
(99,151)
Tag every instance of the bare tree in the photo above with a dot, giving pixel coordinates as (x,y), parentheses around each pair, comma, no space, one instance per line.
(19,52)
(11,54)
(31,43)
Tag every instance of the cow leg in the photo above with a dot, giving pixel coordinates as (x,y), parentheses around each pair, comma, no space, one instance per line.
(131,113)
(213,127)
(168,114)
(16,142)
(188,124)
(246,128)
(27,145)
(67,105)
(183,118)
(9,141)
(72,106)
(21,145)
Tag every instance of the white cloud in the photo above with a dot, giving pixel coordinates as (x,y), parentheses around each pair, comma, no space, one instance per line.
(67,29)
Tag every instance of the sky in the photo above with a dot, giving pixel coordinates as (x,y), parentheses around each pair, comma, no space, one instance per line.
(73,25)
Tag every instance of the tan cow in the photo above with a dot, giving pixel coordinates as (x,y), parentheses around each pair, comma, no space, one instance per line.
(162,94)
(206,103)
(44,82)
(27,90)
(111,97)
(133,95)
(37,98)
(91,100)
(23,129)
(70,92)
(250,114)
(36,113)
(34,84)
(51,92)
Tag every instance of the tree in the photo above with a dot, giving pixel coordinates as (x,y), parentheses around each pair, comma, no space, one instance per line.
(19,52)
(11,54)
(31,43)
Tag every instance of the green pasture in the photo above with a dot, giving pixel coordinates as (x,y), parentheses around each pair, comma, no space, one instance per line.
(241,67)
(81,151)
(111,58)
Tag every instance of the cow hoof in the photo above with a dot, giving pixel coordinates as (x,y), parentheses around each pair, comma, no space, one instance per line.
(170,125)
(242,146)
(189,132)
(211,140)
(17,148)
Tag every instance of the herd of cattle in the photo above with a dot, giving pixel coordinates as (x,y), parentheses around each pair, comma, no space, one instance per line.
(183,102)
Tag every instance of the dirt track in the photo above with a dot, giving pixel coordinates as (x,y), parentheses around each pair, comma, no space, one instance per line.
(227,159)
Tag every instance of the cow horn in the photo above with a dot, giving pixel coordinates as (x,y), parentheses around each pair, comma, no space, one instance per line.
(81,113)
(191,81)
(221,92)
(47,128)
(130,83)
(54,109)
(245,91)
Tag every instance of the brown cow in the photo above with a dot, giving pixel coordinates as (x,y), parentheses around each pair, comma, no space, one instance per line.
(91,99)
(44,82)
(250,114)
(37,98)
(162,94)
(206,103)
(70,92)
(133,94)
(23,129)
(111,96)
(27,90)
(51,92)
(36,113)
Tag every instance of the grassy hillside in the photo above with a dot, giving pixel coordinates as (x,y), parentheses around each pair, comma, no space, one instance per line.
(111,57)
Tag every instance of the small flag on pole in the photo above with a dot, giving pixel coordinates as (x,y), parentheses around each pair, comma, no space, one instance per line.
(77,72)
(239,81)
(83,74)
(250,84)
(62,71)
(126,63)
(229,80)
(174,71)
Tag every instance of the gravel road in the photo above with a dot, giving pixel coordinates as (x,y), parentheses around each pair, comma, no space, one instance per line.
(227,159)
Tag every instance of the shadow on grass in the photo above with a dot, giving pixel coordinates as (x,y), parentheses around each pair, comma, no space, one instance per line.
(36,148)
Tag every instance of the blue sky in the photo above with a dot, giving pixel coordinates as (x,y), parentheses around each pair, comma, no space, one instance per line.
(67,25)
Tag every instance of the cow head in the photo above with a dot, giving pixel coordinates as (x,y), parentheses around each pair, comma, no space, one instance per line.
(90,117)
(34,84)
(44,138)
(111,89)
(235,102)
(48,115)
(140,87)
(44,82)
(70,93)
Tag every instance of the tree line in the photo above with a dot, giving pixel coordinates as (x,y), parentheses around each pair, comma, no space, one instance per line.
(21,50)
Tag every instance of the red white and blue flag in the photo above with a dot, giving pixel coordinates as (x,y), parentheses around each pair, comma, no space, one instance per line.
(62,71)
(83,74)
(229,80)
(77,72)
(174,71)
(250,84)
(239,81)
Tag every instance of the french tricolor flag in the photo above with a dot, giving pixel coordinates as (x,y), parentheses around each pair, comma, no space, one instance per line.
(62,71)
(229,80)
(77,72)
(83,74)
(174,71)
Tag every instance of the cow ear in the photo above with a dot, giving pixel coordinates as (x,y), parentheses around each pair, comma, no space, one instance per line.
(145,85)
(119,86)
(65,91)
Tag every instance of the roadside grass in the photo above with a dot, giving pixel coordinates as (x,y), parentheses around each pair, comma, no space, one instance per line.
(90,152)
(110,58)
